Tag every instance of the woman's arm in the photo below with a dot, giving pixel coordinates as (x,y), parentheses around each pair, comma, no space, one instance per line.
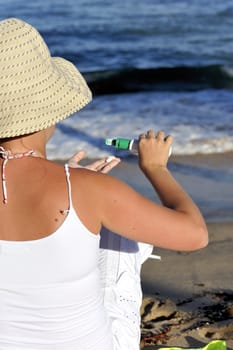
(178,224)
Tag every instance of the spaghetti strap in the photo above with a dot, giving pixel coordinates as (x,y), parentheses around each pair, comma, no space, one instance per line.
(68,183)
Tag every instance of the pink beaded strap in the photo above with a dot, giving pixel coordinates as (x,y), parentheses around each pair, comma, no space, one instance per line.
(7,155)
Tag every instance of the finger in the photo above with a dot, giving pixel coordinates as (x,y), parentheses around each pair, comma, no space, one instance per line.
(109,159)
(150,134)
(109,163)
(142,136)
(104,165)
(109,166)
(160,136)
(169,139)
(75,159)
(97,165)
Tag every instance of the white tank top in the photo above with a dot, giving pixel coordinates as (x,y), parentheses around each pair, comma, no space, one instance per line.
(50,292)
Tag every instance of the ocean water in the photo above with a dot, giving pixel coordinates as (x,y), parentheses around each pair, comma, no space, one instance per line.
(161,64)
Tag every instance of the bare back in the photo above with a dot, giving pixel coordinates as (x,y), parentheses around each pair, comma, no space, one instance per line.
(32,211)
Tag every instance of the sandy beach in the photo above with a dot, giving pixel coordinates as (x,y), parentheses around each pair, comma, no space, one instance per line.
(188,297)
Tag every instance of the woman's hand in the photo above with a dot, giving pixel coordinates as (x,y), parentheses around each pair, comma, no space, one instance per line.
(154,150)
(103,165)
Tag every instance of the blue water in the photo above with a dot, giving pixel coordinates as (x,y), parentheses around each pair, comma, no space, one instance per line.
(150,64)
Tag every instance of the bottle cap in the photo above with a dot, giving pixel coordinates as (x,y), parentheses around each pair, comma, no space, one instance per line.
(119,142)
(108,142)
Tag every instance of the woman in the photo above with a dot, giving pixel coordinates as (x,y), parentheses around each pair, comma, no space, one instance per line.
(50,286)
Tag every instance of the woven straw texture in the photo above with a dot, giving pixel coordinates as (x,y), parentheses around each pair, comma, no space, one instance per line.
(36,90)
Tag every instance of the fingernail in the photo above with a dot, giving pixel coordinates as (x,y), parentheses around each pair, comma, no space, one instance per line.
(109,159)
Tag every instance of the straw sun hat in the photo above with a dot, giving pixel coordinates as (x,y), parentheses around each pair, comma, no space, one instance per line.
(36,90)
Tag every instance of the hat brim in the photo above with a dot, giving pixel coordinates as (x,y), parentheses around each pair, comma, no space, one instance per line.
(59,93)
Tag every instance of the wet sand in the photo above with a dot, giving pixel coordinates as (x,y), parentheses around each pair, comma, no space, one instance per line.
(188,297)
(207,178)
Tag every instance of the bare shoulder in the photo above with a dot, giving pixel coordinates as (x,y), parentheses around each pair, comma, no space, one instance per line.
(88,196)
(92,181)
(105,195)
